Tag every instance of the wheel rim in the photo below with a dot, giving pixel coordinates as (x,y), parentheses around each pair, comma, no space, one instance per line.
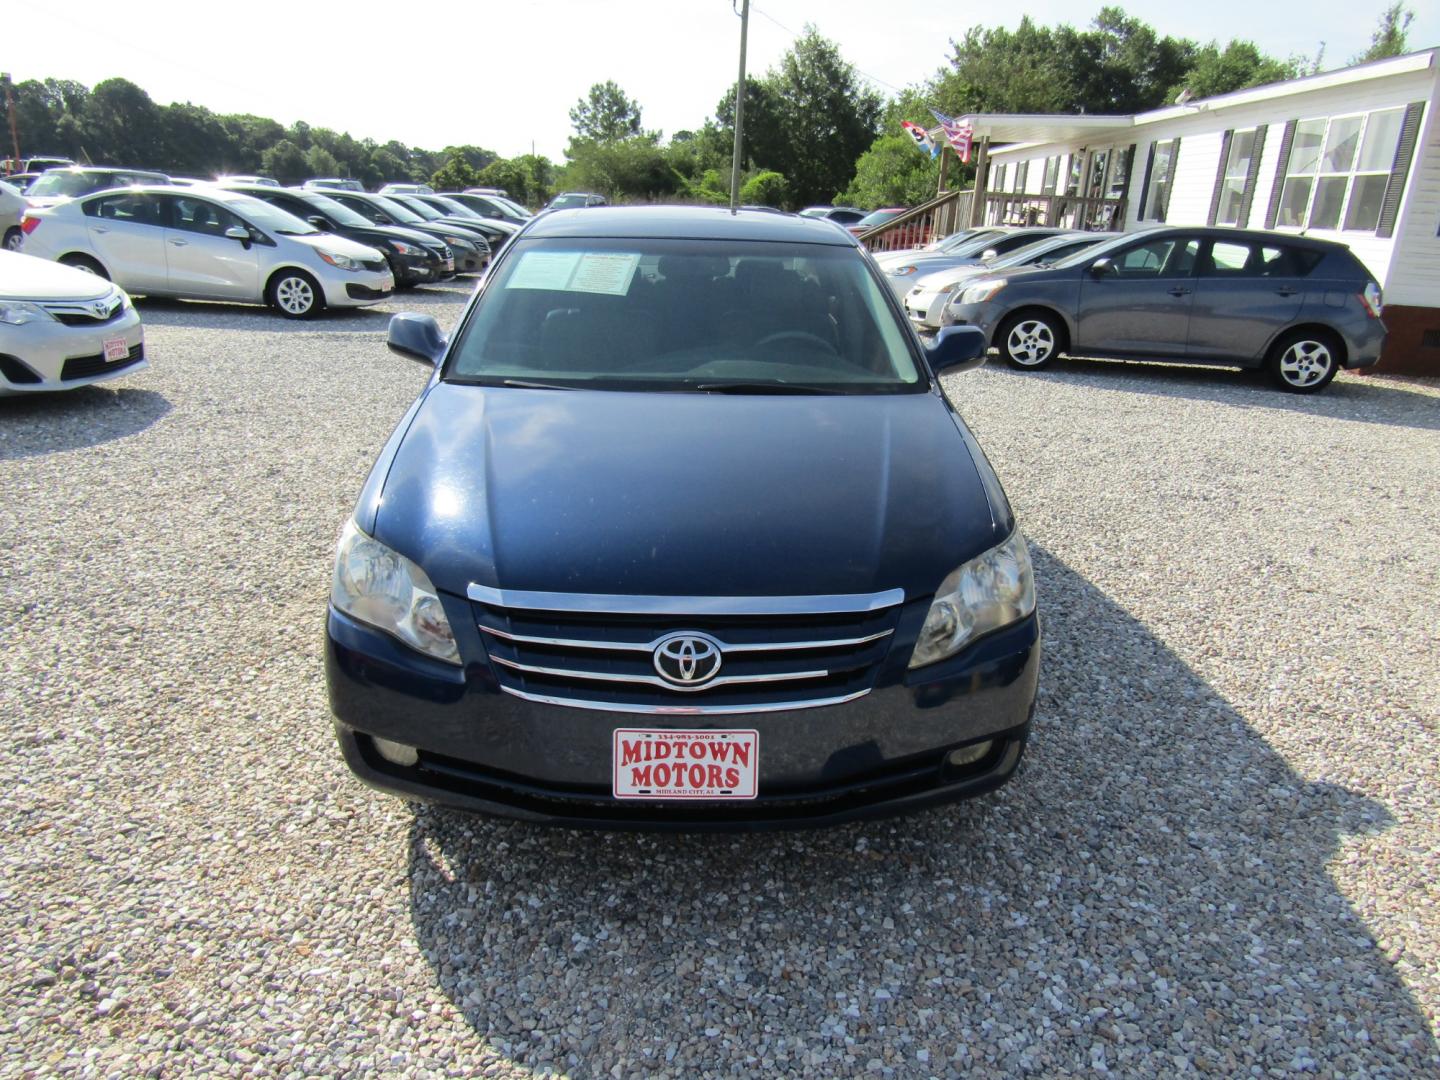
(13,242)
(294,295)
(1305,363)
(1030,342)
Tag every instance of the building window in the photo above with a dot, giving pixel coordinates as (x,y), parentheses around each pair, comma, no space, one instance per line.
(997,179)
(1022,173)
(1338,170)
(1232,183)
(1052,175)
(1162,170)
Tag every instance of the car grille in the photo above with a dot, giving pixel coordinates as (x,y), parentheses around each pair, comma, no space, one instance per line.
(83,367)
(363,292)
(86,313)
(776,653)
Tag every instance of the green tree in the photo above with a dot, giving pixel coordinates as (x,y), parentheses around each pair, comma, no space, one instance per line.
(1238,65)
(285,162)
(320,162)
(122,125)
(605,115)
(632,169)
(456,175)
(893,173)
(1391,37)
(766,188)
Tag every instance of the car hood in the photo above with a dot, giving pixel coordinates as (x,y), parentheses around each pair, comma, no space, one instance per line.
(337,244)
(405,233)
(681,494)
(26,277)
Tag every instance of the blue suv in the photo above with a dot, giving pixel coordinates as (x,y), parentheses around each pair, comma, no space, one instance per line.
(1301,308)
(682,533)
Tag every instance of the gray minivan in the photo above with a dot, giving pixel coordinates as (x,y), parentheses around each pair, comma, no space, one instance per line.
(1302,308)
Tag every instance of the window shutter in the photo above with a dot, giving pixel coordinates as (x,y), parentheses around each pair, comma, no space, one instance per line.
(1286,141)
(1220,177)
(1251,177)
(1163,208)
(1409,130)
(1145,187)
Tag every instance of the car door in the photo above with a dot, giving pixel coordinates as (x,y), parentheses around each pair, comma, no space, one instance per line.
(126,231)
(1137,303)
(203,262)
(1246,292)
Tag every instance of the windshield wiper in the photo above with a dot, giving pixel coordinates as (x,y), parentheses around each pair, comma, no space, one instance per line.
(526,384)
(763,388)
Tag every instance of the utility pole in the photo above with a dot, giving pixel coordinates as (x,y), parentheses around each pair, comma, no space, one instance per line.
(14,131)
(739,108)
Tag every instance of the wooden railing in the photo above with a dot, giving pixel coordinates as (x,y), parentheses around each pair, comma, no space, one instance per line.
(1056,211)
(916,227)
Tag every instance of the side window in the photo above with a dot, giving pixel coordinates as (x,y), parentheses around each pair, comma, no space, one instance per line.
(1229,259)
(364,209)
(1170,257)
(199,216)
(131,209)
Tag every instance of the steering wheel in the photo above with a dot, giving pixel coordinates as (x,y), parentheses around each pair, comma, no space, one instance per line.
(796,336)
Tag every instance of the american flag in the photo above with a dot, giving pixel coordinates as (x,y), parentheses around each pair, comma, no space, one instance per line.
(958,135)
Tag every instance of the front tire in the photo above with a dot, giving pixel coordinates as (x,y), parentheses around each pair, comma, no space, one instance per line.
(1305,361)
(296,295)
(1030,340)
(14,239)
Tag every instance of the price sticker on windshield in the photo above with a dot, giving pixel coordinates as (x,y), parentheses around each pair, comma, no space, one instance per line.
(604,272)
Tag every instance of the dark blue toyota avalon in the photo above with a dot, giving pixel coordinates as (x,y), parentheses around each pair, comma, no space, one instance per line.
(682,533)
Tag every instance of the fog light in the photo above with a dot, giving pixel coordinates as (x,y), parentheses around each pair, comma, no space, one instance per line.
(399,754)
(966,755)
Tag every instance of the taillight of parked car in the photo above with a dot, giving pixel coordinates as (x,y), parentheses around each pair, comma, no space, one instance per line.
(1370,296)
(29,224)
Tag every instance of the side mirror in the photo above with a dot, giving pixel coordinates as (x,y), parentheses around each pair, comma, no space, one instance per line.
(988,254)
(1101,267)
(957,348)
(320,222)
(238,232)
(416,336)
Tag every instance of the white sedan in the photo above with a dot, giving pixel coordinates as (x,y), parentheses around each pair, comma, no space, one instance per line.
(204,243)
(61,328)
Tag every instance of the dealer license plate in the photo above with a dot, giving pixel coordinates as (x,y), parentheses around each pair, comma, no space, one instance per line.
(116,349)
(669,764)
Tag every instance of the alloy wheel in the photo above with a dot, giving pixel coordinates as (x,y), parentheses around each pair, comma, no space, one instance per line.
(1306,363)
(294,295)
(1030,342)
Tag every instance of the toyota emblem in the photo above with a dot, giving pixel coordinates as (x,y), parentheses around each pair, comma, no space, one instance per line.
(687,660)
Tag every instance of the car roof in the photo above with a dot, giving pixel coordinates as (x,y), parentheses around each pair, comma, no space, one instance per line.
(688,222)
(102,170)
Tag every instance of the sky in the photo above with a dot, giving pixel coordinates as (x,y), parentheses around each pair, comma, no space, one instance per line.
(504,76)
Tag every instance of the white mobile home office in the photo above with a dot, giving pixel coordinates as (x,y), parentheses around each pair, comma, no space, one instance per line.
(1350,155)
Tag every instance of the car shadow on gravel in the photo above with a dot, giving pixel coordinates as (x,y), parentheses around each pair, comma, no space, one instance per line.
(1150,895)
(210,315)
(1370,399)
(33,425)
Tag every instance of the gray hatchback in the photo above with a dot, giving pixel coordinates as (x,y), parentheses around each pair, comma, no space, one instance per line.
(1300,307)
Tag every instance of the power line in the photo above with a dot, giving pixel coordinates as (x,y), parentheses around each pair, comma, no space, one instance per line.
(795,36)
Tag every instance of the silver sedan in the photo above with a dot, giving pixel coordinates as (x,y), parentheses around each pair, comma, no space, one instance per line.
(207,243)
(60,328)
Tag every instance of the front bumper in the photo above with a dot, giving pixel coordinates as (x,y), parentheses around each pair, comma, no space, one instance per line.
(926,310)
(881,754)
(357,288)
(43,356)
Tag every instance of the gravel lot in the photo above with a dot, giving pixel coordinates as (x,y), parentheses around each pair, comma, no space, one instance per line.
(1220,858)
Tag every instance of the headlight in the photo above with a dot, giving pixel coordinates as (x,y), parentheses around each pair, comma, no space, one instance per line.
(981,291)
(18,313)
(902,271)
(125,302)
(381,587)
(990,591)
(457,240)
(344,262)
(402,248)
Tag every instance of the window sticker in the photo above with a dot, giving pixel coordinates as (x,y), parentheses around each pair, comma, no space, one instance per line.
(575,271)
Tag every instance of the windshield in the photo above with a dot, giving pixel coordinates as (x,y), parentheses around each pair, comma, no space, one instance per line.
(686,315)
(53,184)
(877,217)
(418,206)
(1096,250)
(964,243)
(1037,250)
(270,218)
(454,208)
(337,212)
(515,210)
(564,202)
(396,211)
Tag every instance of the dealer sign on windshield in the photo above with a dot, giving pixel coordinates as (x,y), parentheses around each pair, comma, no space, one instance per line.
(672,764)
